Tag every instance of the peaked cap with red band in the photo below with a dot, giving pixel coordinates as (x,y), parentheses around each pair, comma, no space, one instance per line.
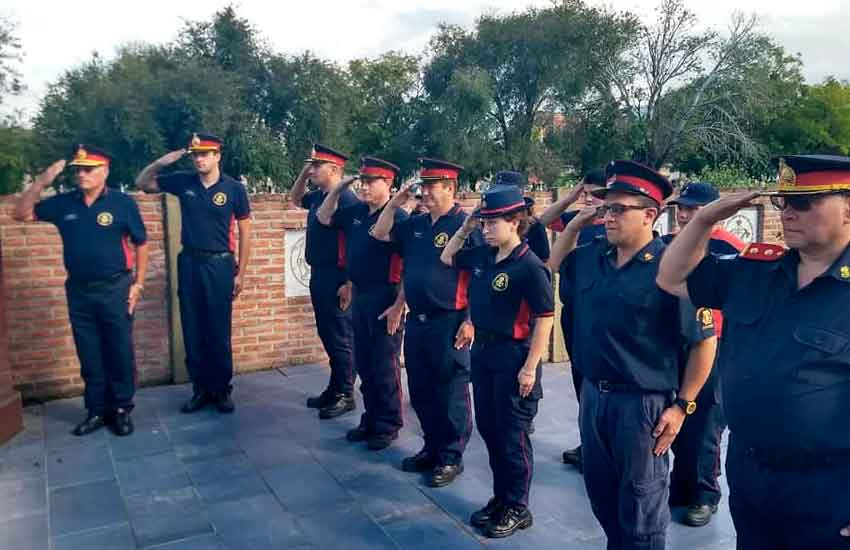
(323,153)
(372,167)
(434,170)
(85,155)
(810,174)
(500,200)
(627,176)
(200,142)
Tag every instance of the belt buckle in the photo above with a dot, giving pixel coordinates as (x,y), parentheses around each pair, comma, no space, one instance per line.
(421,317)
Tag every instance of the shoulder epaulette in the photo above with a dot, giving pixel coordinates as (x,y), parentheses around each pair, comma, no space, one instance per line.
(763,252)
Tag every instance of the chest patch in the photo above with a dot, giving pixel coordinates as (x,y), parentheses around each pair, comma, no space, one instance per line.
(441,240)
(219,199)
(500,282)
(104,219)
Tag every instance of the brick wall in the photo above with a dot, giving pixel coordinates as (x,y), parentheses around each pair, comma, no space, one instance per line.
(269,329)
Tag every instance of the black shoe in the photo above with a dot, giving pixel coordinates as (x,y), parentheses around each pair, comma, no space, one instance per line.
(420,462)
(444,474)
(199,400)
(481,518)
(223,402)
(377,442)
(508,520)
(357,434)
(339,405)
(698,515)
(320,401)
(122,423)
(573,457)
(531,428)
(92,423)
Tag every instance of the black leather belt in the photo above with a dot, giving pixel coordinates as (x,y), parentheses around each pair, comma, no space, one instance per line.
(795,459)
(489,338)
(100,282)
(199,253)
(433,315)
(605,386)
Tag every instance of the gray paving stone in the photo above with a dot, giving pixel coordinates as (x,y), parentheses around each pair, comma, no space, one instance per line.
(151,473)
(145,440)
(86,506)
(23,497)
(26,533)
(114,537)
(73,465)
(165,516)
(258,522)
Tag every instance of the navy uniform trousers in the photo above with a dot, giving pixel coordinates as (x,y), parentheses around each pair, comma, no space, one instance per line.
(205,289)
(503,417)
(334,328)
(696,451)
(438,382)
(376,357)
(627,484)
(787,507)
(102,330)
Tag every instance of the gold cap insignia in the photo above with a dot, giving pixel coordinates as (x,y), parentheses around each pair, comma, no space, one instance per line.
(81,153)
(786,176)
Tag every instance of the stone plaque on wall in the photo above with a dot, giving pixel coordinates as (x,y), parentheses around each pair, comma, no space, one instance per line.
(297,272)
(745,224)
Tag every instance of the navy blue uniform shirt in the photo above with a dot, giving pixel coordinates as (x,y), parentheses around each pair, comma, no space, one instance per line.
(504,296)
(430,285)
(95,238)
(627,330)
(538,240)
(208,215)
(585,236)
(325,244)
(370,262)
(785,355)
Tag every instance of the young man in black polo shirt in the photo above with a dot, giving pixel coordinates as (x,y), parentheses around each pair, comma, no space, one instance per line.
(212,205)
(330,288)
(97,225)
(375,270)
(438,334)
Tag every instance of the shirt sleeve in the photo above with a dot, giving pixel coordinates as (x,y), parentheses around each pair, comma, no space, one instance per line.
(172,183)
(402,230)
(697,324)
(241,206)
(470,258)
(135,224)
(476,238)
(709,284)
(308,199)
(539,294)
(49,210)
(342,217)
(348,198)
(538,241)
(561,222)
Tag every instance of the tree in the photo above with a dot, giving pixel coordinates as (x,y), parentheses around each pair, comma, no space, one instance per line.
(10,57)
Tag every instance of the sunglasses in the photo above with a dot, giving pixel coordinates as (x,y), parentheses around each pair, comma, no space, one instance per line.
(617,209)
(801,203)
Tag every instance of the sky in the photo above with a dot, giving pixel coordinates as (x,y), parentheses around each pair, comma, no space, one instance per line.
(59,35)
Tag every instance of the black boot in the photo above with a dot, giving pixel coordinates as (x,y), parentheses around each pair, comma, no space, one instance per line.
(122,423)
(698,515)
(198,401)
(223,402)
(320,401)
(507,521)
(339,405)
(420,462)
(92,423)
(444,474)
(481,518)
(573,457)
(377,442)
(360,433)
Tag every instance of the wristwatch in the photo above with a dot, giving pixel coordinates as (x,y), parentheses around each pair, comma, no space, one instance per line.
(689,407)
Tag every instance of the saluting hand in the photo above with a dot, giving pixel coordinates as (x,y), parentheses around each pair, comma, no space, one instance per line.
(668,427)
(171,158)
(46,178)
(346,182)
(344,295)
(717,211)
(404,193)
(393,316)
(470,224)
(575,193)
(583,219)
(465,335)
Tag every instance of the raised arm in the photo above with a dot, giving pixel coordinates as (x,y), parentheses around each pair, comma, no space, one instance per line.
(560,206)
(299,188)
(24,210)
(329,206)
(457,240)
(384,226)
(689,247)
(146,180)
(567,240)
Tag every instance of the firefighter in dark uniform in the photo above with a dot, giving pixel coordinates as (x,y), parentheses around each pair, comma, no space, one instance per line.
(696,466)
(628,335)
(437,331)
(330,287)
(377,304)
(556,218)
(97,225)
(785,358)
(511,304)
(536,236)
(212,205)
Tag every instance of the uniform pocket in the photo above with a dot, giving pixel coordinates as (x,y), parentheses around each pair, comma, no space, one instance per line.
(650,512)
(823,362)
